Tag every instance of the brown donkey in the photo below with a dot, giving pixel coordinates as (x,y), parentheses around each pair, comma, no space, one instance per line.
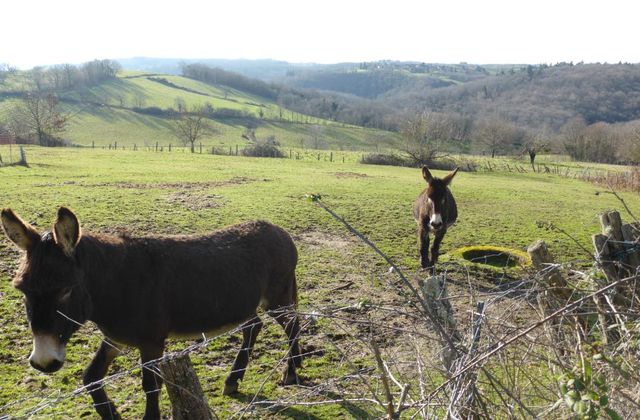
(435,211)
(140,291)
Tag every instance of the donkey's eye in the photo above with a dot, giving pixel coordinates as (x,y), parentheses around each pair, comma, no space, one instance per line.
(64,295)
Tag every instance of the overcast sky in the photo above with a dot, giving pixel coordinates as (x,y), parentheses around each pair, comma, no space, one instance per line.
(475,31)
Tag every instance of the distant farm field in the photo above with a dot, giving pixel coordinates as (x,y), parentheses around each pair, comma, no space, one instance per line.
(134,109)
(139,192)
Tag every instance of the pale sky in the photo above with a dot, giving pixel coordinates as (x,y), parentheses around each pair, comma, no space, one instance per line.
(475,31)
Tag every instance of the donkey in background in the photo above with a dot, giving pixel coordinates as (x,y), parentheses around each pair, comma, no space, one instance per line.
(435,211)
(140,291)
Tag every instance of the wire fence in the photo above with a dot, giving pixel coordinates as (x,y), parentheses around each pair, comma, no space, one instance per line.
(442,345)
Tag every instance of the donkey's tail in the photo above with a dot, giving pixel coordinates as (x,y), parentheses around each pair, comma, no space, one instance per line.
(294,292)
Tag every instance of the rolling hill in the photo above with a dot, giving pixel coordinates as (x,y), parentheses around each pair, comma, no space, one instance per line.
(138,108)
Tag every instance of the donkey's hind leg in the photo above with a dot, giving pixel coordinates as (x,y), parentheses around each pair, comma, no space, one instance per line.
(288,320)
(250,330)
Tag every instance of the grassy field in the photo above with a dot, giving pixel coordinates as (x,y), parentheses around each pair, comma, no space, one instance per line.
(142,192)
(104,115)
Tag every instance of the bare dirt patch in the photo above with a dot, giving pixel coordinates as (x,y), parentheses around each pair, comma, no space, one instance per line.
(238,180)
(315,239)
(194,201)
(350,175)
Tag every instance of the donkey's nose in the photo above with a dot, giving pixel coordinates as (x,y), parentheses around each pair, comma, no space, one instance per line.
(51,367)
(436,225)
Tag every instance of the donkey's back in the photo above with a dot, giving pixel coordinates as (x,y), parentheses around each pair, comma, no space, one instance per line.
(209,283)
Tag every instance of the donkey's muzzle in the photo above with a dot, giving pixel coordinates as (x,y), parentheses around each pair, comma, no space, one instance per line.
(48,353)
(436,225)
(52,366)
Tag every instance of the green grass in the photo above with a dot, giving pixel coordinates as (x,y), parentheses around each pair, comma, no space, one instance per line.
(103,115)
(145,192)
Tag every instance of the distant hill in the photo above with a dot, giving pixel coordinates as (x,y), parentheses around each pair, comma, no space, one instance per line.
(537,96)
(266,70)
(139,107)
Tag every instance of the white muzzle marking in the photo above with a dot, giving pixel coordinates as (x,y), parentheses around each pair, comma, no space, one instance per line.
(436,219)
(46,349)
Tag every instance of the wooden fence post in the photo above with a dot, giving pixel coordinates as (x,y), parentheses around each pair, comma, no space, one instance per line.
(550,274)
(631,234)
(187,399)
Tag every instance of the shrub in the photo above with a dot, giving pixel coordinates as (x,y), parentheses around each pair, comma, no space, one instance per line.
(383,159)
(264,148)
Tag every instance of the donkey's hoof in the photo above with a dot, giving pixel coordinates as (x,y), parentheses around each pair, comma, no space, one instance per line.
(289,379)
(230,389)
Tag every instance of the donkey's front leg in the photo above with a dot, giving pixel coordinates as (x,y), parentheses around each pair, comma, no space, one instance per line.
(151,381)
(94,373)
(423,244)
(435,251)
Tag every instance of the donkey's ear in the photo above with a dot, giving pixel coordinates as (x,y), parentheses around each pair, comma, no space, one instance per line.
(18,231)
(426,174)
(447,179)
(66,230)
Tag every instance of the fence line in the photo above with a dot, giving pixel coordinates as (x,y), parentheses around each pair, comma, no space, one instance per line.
(386,382)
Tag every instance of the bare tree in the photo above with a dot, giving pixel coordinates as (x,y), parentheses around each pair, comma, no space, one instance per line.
(425,134)
(378,139)
(192,126)
(180,104)
(6,70)
(498,135)
(573,137)
(139,100)
(630,147)
(316,134)
(39,114)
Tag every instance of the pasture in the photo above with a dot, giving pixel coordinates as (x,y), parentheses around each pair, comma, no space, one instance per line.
(106,114)
(141,192)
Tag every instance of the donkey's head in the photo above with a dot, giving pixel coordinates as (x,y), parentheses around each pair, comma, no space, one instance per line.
(51,281)
(436,196)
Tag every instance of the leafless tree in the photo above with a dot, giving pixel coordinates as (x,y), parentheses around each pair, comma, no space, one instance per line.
(316,135)
(192,126)
(425,134)
(498,135)
(139,100)
(378,139)
(630,136)
(180,104)
(573,137)
(39,114)
(5,70)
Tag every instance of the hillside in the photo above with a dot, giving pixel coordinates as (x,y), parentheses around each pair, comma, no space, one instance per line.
(138,108)
(530,96)
(538,96)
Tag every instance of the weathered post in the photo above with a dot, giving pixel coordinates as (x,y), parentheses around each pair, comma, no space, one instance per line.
(549,272)
(187,399)
(631,235)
